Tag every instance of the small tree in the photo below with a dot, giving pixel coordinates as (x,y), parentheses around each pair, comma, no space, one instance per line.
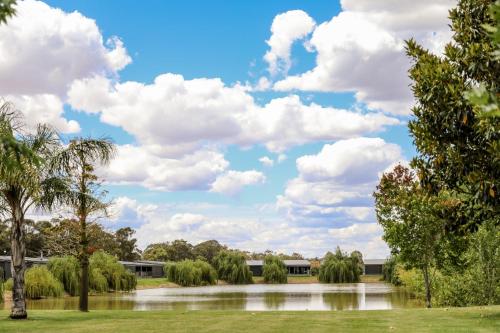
(413,221)
(340,267)
(84,195)
(274,270)
(232,268)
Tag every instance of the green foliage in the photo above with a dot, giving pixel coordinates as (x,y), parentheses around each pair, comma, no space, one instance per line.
(208,250)
(231,267)
(177,250)
(191,273)
(274,270)
(105,267)
(389,271)
(7,10)
(314,271)
(7,285)
(39,282)
(340,268)
(67,271)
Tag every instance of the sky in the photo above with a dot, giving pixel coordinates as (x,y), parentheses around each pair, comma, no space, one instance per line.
(262,124)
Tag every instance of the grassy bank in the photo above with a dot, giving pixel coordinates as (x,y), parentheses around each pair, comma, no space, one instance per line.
(484,319)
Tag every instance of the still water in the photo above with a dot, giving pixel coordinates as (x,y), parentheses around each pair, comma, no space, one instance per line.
(257,297)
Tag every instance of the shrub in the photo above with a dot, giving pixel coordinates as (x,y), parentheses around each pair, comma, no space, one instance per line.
(389,271)
(7,285)
(412,280)
(274,270)
(39,282)
(67,271)
(340,268)
(191,273)
(231,267)
(314,271)
(105,267)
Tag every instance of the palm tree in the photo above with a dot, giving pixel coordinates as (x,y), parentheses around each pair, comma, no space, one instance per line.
(84,197)
(26,181)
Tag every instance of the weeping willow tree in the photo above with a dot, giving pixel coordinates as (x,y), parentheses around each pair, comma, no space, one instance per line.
(27,181)
(191,273)
(274,270)
(41,283)
(67,271)
(231,267)
(340,267)
(84,196)
(105,267)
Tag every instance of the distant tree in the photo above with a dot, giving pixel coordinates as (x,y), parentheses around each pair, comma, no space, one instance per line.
(274,270)
(208,250)
(84,196)
(126,245)
(231,267)
(177,250)
(340,267)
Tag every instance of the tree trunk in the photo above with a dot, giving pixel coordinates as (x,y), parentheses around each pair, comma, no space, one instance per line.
(84,265)
(427,287)
(18,266)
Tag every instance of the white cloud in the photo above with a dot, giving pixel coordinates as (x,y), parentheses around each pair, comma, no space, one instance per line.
(285,30)
(179,116)
(282,158)
(362,50)
(335,185)
(140,166)
(45,109)
(43,49)
(266,161)
(232,182)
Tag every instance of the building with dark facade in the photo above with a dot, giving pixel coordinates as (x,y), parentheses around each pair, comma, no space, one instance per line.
(294,267)
(373,266)
(6,260)
(145,268)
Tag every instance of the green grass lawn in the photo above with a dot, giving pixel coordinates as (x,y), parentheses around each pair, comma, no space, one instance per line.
(478,319)
(143,283)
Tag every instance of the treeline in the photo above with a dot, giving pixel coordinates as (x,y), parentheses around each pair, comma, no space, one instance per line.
(180,249)
(441,216)
(60,237)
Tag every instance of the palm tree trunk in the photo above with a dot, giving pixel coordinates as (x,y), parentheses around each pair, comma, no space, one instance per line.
(18,266)
(84,265)
(427,287)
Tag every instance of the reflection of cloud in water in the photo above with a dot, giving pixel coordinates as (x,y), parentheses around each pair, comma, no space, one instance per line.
(255,297)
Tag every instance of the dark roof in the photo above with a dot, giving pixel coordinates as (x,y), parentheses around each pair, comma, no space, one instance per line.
(374,261)
(38,260)
(287,262)
(142,263)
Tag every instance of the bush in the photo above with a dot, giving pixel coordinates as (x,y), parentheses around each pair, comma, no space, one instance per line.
(39,282)
(7,285)
(231,267)
(412,280)
(314,271)
(106,273)
(191,273)
(340,268)
(274,270)
(389,271)
(67,271)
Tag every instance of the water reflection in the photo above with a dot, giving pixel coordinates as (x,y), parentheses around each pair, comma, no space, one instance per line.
(257,297)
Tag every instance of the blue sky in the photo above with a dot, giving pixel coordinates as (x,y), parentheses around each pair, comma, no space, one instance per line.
(263,124)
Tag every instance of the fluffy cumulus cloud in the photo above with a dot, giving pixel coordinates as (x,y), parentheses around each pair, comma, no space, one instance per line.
(232,182)
(179,116)
(43,50)
(335,185)
(45,109)
(285,30)
(362,50)
(266,161)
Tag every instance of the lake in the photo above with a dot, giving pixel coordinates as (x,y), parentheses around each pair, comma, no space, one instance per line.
(257,297)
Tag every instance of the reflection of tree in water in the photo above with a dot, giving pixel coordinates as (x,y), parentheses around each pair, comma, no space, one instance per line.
(274,300)
(341,301)
(400,298)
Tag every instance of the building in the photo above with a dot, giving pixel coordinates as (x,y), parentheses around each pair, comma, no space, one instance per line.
(6,260)
(373,266)
(294,267)
(145,268)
